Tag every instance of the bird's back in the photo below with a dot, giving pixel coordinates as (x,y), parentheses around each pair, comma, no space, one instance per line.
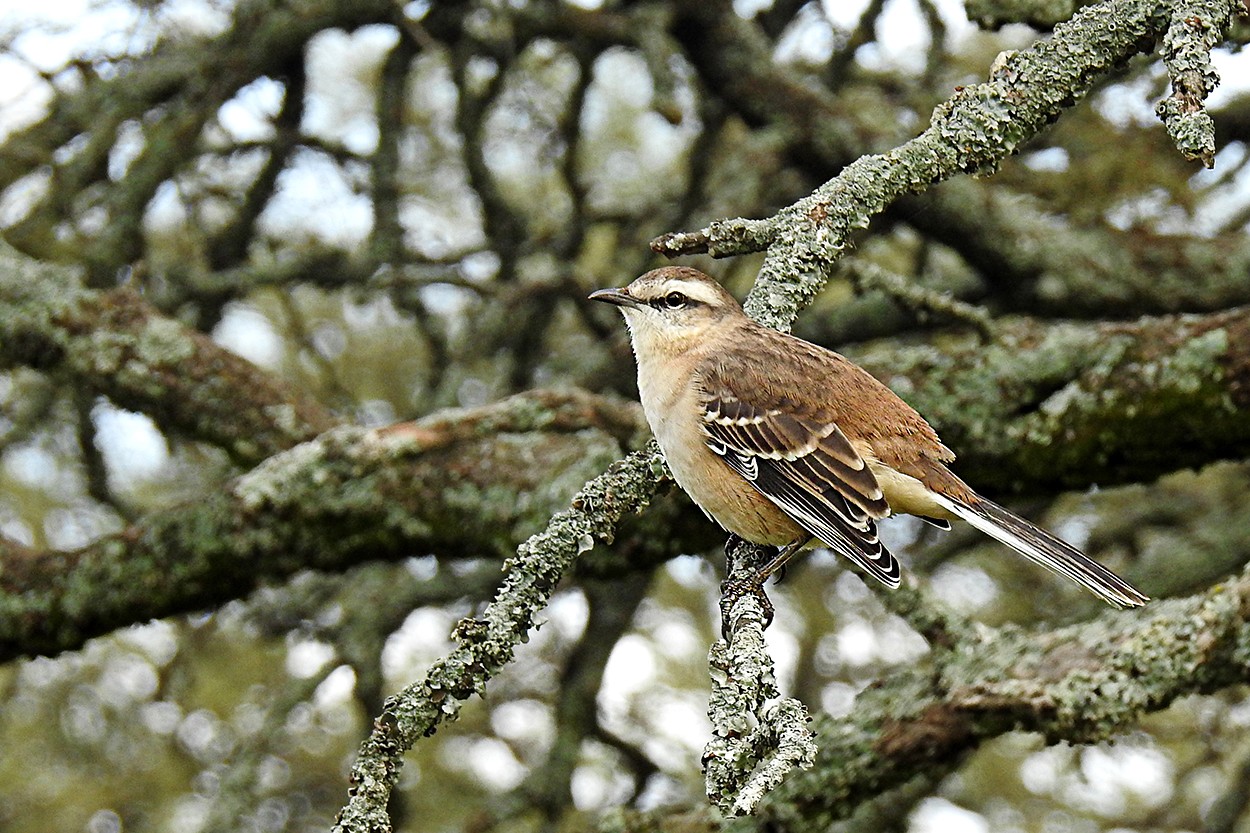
(779,371)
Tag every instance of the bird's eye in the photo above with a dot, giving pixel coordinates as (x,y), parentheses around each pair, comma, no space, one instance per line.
(675,300)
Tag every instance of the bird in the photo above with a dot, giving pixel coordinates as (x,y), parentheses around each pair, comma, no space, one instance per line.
(786,443)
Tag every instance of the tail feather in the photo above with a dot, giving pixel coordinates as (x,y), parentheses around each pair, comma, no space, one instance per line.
(1040,546)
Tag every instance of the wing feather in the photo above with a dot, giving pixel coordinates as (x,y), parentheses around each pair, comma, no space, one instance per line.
(809,469)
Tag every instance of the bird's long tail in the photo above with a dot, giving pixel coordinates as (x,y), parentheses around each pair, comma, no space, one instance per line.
(1052,553)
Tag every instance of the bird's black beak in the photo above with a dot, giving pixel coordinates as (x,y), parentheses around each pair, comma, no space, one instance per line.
(615,297)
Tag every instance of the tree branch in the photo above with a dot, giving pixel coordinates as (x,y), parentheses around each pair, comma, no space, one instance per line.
(486,644)
(466,483)
(972,132)
(116,345)
(1195,28)
(1049,408)
(1040,263)
(1079,684)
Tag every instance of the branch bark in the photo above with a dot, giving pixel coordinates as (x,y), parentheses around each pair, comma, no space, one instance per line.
(1079,684)
(486,644)
(1034,260)
(115,344)
(463,484)
(971,132)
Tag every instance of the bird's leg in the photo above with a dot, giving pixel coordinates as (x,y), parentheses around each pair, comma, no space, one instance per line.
(736,585)
(778,564)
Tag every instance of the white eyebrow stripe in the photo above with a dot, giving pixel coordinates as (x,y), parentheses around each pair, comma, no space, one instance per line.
(694,291)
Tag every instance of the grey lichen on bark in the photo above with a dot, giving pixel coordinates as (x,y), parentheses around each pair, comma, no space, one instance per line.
(1055,407)
(971,132)
(1079,684)
(756,739)
(113,343)
(1195,27)
(467,483)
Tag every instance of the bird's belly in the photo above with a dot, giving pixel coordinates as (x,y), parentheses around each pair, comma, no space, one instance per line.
(729,499)
(720,491)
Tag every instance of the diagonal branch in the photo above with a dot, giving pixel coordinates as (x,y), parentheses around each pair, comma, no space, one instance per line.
(486,644)
(1074,272)
(972,132)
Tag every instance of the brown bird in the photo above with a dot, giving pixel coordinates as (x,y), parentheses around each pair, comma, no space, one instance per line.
(781,441)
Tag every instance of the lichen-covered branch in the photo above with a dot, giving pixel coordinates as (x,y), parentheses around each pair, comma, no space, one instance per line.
(756,739)
(1195,28)
(1039,262)
(1078,684)
(462,484)
(972,132)
(487,643)
(1032,260)
(115,344)
(1048,408)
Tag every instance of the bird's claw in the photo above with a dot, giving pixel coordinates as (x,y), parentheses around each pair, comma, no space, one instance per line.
(734,589)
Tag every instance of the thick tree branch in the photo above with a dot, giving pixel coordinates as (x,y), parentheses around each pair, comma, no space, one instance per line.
(115,344)
(1049,408)
(1078,684)
(467,483)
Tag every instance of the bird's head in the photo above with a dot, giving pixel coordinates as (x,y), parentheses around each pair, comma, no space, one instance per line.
(669,310)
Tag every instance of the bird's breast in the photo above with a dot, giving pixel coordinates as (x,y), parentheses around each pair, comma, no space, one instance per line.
(674,413)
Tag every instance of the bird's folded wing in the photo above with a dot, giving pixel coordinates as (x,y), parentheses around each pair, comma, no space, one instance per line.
(808,468)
